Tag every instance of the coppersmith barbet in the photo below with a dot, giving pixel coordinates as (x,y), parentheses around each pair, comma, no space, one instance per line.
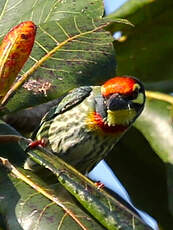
(88,122)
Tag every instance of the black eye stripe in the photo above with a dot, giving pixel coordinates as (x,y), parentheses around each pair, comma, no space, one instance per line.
(133,95)
(130,96)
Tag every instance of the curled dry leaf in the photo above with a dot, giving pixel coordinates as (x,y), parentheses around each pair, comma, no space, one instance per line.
(14,52)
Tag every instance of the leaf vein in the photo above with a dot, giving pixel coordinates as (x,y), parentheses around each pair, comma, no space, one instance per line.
(54,70)
(41,215)
(32,12)
(49,35)
(18,183)
(23,204)
(4,9)
(2,35)
(94,25)
(50,11)
(61,222)
(86,51)
(92,43)
(41,14)
(90,38)
(73,60)
(14,6)
(68,12)
(34,59)
(76,26)
(63,30)
(42,47)
(35,3)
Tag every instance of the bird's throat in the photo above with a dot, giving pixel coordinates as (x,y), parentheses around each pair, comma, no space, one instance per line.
(96,123)
(120,117)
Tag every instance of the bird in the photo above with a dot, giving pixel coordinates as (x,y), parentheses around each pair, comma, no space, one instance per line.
(89,121)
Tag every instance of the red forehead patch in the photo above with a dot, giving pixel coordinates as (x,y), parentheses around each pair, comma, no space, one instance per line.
(122,85)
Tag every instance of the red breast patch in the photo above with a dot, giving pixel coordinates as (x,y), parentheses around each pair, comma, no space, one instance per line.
(96,123)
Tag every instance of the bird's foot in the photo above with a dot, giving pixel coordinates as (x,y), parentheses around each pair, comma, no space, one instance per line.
(34,144)
(99,185)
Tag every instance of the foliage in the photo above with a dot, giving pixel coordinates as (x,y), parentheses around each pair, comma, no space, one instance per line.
(74,47)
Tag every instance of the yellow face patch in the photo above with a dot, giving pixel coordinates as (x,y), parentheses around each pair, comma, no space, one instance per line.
(139,99)
(120,117)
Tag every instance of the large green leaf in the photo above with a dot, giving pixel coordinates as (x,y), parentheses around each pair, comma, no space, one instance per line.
(25,208)
(146,51)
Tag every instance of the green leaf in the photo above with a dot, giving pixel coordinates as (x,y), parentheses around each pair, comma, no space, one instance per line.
(25,208)
(145,51)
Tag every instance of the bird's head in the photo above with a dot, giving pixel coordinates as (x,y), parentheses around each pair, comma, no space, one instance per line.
(122,100)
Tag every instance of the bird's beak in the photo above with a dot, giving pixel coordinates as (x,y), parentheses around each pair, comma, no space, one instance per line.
(117,102)
(119,111)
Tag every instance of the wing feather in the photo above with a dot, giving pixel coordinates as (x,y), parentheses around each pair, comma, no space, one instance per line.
(67,102)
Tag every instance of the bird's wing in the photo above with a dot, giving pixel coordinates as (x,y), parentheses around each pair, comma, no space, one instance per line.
(73,98)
